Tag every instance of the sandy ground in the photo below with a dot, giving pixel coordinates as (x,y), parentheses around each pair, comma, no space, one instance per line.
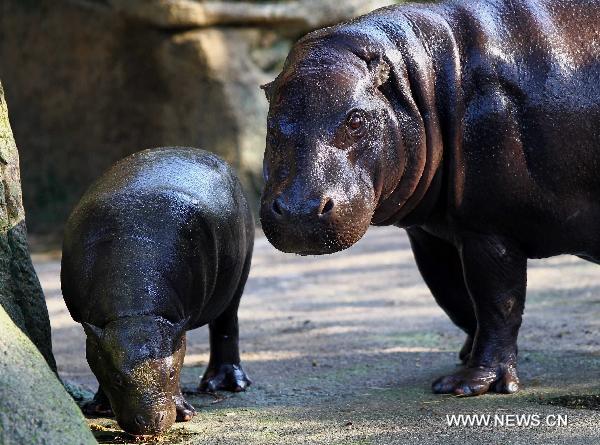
(342,349)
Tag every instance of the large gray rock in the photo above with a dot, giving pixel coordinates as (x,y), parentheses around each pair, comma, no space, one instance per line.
(93,81)
(34,406)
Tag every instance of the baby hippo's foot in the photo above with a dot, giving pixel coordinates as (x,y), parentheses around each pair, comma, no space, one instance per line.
(473,381)
(465,351)
(185,411)
(226,377)
(99,406)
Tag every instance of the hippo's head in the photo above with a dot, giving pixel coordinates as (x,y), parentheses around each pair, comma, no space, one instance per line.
(334,148)
(137,361)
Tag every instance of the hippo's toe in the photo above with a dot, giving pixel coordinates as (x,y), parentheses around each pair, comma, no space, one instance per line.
(95,409)
(99,406)
(478,380)
(185,411)
(226,377)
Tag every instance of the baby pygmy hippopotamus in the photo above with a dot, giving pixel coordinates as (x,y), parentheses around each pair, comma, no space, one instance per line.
(159,245)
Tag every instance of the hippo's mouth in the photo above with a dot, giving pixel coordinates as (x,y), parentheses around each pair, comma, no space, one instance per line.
(312,252)
(311,239)
(333,221)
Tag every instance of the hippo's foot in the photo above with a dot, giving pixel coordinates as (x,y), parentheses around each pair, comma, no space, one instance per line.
(185,411)
(465,351)
(99,406)
(225,377)
(473,381)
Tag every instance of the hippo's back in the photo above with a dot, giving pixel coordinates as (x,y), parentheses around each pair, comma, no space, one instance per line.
(200,175)
(144,189)
(169,225)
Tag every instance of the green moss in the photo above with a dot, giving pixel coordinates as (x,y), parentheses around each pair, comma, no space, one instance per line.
(34,406)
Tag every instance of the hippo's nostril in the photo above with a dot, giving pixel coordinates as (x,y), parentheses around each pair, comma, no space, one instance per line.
(328,207)
(139,420)
(277,208)
(158,419)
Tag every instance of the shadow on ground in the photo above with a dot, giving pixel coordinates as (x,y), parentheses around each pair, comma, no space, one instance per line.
(342,350)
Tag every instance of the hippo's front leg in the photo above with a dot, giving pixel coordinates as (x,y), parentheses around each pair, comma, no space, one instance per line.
(496,274)
(99,406)
(441,267)
(185,411)
(224,371)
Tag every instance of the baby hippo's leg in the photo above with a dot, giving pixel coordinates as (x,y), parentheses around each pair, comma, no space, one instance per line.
(185,411)
(99,406)
(224,371)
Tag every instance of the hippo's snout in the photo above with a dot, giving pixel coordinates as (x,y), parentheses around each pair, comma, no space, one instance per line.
(150,423)
(311,209)
(312,226)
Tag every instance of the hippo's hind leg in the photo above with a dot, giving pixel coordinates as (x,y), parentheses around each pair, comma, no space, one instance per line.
(495,274)
(441,268)
(224,371)
(99,406)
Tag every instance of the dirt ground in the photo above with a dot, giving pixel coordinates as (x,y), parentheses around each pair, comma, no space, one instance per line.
(342,349)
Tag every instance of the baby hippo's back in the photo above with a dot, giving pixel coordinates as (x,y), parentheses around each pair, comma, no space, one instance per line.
(166,232)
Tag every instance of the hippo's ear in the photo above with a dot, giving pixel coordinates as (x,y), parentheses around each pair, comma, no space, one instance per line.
(268,89)
(182,326)
(180,329)
(92,331)
(380,70)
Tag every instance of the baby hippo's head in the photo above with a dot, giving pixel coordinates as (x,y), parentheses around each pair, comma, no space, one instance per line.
(137,361)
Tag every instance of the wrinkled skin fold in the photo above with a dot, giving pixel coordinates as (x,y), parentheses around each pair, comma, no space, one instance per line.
(472,125)
(159,245)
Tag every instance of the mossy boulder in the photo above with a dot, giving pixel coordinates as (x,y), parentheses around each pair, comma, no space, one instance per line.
(34,406)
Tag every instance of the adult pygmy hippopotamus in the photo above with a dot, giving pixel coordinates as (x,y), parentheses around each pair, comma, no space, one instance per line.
(159,245)
(474,125)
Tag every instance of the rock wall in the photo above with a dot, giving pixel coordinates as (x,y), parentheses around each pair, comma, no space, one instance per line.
(34,406)
(90,82)
(20,291)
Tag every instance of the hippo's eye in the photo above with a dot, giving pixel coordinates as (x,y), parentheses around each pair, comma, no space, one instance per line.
(356,123)
(172,374)
(118,380)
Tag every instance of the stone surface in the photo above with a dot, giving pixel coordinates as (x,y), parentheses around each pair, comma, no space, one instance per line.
(301,14)
(92,81)
(20,292)
(342,350)
(34,406)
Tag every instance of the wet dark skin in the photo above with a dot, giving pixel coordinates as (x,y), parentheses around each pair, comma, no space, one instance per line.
(159,245)
(475,126)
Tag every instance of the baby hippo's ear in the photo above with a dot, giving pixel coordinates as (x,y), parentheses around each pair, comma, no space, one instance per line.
(93,332)
(380,70)
(268,89)
(180,329)
(182,326)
